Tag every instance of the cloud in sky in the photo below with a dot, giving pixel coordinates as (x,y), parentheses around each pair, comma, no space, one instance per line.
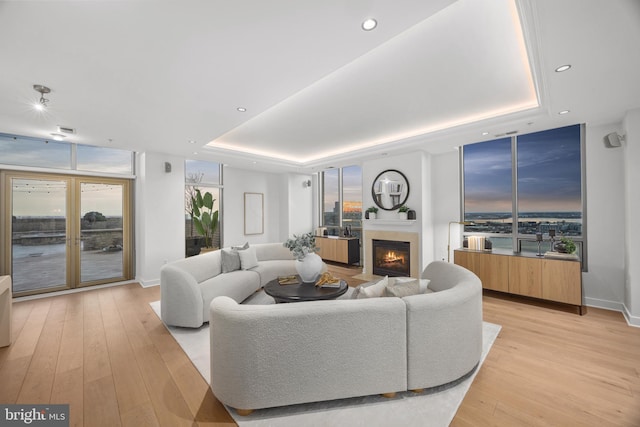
(549,173)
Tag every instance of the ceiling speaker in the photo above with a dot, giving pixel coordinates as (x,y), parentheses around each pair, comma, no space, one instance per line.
(613,140)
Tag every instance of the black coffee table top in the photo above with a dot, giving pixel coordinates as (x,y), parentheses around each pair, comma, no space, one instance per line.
(302,291)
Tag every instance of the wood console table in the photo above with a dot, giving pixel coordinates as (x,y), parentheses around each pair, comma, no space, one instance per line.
(340,249)
(549,279)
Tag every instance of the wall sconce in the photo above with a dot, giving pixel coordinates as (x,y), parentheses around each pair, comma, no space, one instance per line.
(449,236)
(306,183)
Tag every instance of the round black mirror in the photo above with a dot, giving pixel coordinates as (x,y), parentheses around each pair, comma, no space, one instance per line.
(390,190)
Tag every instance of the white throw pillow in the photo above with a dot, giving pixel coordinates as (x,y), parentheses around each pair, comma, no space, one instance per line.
(375,290)
(230,260)
(402,289)
(248,258)
(424,286)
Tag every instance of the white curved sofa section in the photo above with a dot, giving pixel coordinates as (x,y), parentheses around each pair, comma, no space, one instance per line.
(188,286)
(283,354)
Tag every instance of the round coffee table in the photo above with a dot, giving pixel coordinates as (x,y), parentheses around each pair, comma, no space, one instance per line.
(303,291)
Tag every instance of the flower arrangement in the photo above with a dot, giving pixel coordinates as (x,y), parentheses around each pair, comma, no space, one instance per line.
(372,209)
(403,208)
(301,245)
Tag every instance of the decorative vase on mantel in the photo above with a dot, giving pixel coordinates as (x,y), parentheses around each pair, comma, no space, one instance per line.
(309,267)
(402,215)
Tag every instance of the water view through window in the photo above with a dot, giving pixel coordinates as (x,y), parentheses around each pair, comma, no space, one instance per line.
(548,186)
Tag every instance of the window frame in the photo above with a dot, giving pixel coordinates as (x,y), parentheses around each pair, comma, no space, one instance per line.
(204,185)
(321,193)
(518,238)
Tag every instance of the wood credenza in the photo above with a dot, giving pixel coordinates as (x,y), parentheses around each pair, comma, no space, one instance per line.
(544,278)
(342,249)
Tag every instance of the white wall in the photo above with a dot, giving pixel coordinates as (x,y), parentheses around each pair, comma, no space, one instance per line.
(299,206)
(445,203)
(159,214)
(240,181)
(632,211)
(603,284)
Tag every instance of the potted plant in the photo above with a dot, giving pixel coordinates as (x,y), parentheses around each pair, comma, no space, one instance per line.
(204,218)
(403,212)
(308,263)
(371,212)
(565,246)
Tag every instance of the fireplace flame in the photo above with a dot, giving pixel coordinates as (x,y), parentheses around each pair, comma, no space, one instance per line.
(392,257)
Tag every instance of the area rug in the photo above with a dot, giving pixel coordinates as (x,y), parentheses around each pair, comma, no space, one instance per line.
(434,407)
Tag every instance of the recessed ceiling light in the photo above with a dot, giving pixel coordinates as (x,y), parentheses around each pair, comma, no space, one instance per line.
(369,24)
(191,141)
(485,133)
(241,109)
(195,152)
(563,112)
(58,136)
(563,68)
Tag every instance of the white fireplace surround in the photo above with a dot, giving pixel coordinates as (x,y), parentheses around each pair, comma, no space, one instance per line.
(414,248)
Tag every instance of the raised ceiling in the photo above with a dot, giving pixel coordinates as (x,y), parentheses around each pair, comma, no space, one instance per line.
(318,90)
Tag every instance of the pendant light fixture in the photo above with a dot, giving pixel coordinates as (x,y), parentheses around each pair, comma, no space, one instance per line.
(42,102)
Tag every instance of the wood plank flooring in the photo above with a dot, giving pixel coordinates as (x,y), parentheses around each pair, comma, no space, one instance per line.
(107,354)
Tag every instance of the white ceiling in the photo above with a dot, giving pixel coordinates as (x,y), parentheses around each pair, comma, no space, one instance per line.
(319,91)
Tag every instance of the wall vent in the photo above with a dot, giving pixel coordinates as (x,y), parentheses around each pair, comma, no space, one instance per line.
(66,129)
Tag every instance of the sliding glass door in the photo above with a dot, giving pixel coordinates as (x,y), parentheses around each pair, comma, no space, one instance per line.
(65,232)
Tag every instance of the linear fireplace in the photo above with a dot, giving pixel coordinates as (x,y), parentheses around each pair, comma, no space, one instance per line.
(391,258)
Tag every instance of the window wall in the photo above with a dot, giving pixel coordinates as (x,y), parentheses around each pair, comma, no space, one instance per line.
(206,177)
(517,187)
(48,154)
(342,200)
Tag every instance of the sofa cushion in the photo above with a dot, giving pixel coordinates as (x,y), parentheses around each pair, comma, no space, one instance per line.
(402,289)
(270,270)
(248,258)
(424,283)
(371,289)
(237,285)
(230,260)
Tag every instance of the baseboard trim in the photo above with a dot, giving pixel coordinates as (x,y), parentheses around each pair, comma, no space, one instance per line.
(631,320)
(148,283)
(72,291)
(614,306)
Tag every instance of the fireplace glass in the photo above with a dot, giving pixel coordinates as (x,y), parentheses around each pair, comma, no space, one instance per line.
(391,258)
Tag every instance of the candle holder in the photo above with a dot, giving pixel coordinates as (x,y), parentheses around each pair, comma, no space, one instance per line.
(539,240)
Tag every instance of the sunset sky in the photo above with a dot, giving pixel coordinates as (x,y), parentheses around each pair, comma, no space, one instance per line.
(548,173)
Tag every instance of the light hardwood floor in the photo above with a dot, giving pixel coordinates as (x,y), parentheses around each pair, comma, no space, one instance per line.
(107,354)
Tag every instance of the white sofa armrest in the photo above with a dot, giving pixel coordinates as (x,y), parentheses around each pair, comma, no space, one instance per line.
(180,298)
(444,331)
(283,354)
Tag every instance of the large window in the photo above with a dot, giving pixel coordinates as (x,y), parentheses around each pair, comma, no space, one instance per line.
(206,177)
(517,187)
(49,154)
(342,200)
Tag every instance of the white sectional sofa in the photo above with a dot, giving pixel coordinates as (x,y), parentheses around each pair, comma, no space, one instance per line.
(274,355)
(188,286)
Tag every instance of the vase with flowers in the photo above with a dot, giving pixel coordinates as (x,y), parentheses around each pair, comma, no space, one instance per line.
(308,263)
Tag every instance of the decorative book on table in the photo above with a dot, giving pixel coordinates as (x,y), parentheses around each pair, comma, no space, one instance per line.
(288,280)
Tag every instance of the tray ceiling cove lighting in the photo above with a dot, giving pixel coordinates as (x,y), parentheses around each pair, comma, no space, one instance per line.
(42,102)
